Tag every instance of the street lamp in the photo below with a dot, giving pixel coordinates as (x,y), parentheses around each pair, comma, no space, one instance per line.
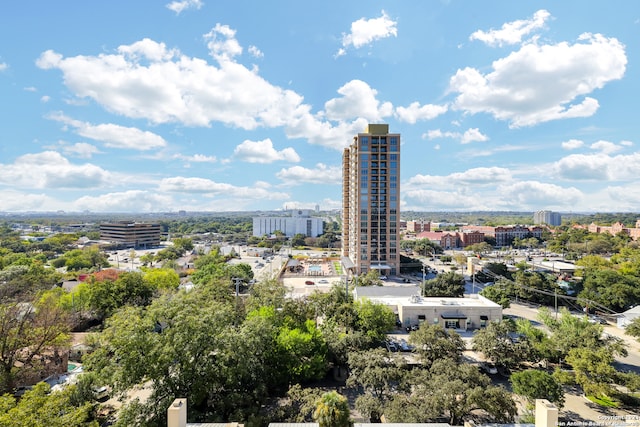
(423,278)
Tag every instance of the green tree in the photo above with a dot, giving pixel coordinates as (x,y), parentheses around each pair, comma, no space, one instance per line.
(377,375)
(499,293)
(497,344)
(162,278)
(41,408)
(375,320)
(633,328)
(433,342)
(534,384)
(30,334)
(569,332)
(593,369)
(183,244)
(448,284)
(130,288)
(297,240)
(453,390)
(332,410)
(371,278)
(193,345)
(303,351)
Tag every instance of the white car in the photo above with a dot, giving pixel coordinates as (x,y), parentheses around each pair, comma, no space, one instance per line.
(383,277)
(489,368)
(323,281)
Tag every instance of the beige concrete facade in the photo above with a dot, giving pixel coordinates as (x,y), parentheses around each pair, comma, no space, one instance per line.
(371,201)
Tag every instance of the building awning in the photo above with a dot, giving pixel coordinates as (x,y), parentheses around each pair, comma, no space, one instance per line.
(293,263)
(347,263)
(453,316)
(483,317)
(380,267)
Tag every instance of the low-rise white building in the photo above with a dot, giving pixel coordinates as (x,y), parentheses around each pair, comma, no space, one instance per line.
(456,313)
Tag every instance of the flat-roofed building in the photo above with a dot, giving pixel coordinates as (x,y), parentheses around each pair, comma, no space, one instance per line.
(298,222)
(131,234)
(453,313)
(547,217)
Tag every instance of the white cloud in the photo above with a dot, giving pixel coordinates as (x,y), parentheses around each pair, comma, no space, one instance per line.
(626,143)
(605,147)
(475,176)
(126,201)
(415,112)
(358,100)
(529,194)
(222,43)
(263,152)
(366,31)
(470,135)
(211,188)
(254,51)
(146,80)
(3,66)
(196,158)
(512,32)
(572,144)
(321,174)
(473,135)
(114,135)
(179,6)
(541,83)
(51,170)
(15,201)
(45,98)
(598,167)
(82,150)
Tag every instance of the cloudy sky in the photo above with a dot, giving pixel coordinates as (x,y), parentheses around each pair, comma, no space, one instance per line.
(205,105)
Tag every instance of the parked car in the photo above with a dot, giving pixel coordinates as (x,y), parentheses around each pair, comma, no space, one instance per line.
(391,346)
(383,277)
(412,328)
(309,282)
(101,393)
(405,346)
(323,281)
(489,368)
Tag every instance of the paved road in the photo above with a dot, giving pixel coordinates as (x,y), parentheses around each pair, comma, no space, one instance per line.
(577,408)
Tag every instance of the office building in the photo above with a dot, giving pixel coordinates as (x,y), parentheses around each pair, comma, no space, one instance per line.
(131,234)
(547,217)
(298,222)
(371,201)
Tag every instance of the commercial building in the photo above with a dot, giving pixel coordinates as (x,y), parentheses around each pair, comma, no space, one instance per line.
(298,222)
(370,201)
(131,234)
(453,313)
(547,217)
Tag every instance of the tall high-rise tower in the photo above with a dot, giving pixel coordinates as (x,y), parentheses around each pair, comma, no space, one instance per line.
(371,201)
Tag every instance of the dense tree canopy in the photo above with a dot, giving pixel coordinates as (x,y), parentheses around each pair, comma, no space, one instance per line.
(449,284)
(32,335)
(535,384)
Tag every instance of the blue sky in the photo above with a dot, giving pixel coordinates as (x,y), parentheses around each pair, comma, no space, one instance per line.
(204,105)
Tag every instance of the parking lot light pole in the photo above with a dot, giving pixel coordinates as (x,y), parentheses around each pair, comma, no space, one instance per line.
(423,279)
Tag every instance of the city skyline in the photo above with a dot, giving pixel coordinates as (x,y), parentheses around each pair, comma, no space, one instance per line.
(202,106)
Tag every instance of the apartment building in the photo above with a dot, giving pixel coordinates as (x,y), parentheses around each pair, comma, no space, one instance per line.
(547,217)
(298,222)
(418,226)
(371,201)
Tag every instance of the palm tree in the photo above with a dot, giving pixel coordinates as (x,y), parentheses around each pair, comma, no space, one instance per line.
(332,410)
